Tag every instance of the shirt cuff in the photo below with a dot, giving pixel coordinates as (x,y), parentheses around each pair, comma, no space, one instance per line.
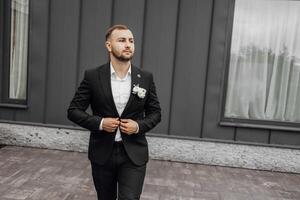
(100,126)
(137,127)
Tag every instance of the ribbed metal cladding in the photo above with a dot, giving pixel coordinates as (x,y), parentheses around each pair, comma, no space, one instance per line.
(182,42)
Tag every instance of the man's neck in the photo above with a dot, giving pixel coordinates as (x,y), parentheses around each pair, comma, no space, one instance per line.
(121,67)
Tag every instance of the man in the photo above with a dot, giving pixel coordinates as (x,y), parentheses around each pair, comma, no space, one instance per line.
(125,106)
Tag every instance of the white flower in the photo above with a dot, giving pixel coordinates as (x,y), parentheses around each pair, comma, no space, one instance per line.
(140,92)
(135,89)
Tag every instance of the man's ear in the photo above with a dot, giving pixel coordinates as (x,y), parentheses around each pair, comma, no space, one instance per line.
(108,46)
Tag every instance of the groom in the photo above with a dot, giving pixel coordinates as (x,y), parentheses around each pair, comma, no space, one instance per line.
(125,106)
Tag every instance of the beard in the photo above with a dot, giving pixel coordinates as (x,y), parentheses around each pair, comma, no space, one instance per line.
(121,57)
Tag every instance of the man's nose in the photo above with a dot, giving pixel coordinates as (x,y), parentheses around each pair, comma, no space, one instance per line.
(127,44)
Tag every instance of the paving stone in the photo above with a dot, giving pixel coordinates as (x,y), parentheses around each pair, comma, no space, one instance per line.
(42,174)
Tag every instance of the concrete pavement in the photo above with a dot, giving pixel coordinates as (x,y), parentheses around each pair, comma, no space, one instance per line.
(38,174)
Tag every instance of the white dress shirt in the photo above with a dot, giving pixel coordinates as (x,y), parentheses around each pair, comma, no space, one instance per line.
(121,89)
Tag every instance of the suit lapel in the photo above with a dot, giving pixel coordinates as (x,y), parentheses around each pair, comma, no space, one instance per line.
(104,77)
(134,81)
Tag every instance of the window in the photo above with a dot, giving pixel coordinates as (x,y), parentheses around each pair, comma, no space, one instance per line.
(264,66)
(15,18)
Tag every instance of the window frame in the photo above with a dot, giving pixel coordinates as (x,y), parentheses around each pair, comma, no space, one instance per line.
(239,122)
(5,39)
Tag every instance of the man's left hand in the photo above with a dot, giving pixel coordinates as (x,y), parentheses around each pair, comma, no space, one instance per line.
(128,126)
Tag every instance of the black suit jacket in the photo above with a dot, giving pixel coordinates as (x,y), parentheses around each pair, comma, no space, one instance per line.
(95,90)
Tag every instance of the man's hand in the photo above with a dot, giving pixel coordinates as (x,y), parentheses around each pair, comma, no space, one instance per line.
(110,124)
(128,126)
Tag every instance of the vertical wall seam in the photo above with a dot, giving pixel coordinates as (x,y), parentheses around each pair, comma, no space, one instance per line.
(78,44)
(174,67)
(29,54)
(207,67)
(47,63)
(14,112)
(143,34)
(112,18)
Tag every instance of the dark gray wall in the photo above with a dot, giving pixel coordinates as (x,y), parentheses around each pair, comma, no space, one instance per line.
(183,42)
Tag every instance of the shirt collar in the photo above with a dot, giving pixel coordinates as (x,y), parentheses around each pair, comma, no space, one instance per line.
(113,72)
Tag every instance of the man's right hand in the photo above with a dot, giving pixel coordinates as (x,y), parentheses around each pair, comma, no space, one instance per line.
(110,124)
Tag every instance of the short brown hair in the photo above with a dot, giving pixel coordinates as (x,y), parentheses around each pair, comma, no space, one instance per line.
(114,27)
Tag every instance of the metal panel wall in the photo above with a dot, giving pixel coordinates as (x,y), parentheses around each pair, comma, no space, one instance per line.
(183,42)
(63,53)
(38,63)
(216,67)
(131,13)
(159,52)
(1,44)
(95,18)
(192,45)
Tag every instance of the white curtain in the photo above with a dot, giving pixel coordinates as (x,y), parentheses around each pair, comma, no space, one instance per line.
(18,49)
(264,71)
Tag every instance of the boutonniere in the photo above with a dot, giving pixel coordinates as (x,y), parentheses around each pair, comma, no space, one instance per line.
(140,92)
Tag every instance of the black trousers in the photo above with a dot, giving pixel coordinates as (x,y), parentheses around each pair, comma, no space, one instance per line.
(118,176)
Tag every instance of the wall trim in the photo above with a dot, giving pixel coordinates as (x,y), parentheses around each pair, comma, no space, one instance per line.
(171,149)
(160,135)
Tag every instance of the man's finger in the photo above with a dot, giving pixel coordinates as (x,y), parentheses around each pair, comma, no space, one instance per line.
(123,125)
(117,120)
(115,125)
(124,130)
(125,120)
